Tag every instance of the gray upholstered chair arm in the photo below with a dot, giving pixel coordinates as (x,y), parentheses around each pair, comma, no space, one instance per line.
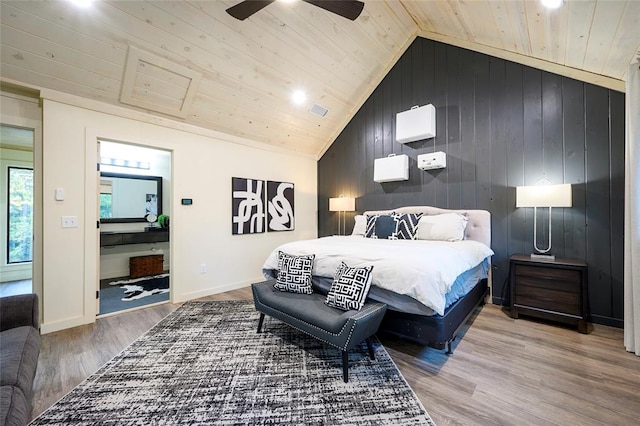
(364,324)
(20,310)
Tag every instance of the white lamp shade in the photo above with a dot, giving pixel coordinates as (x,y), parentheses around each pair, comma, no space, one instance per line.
(544,196)
(342,204)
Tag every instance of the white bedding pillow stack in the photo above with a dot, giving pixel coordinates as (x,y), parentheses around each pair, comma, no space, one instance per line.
(442,227)
(360,228)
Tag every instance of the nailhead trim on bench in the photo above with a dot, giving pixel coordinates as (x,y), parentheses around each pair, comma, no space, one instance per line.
(364,313)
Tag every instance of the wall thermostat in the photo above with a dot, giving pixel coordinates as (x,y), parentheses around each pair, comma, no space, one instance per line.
(187,201)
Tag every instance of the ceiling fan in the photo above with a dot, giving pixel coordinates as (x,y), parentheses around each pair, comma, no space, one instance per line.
(349,9)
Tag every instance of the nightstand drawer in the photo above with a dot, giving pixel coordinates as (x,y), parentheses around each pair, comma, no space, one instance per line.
(548,283)
(548,299)
(549,273)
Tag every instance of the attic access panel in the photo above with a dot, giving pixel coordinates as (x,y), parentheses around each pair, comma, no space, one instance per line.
(157,84)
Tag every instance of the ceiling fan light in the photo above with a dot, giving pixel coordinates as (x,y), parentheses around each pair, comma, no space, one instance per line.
(552,4)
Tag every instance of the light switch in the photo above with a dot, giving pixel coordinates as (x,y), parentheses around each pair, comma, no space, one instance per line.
(59,194)
(69,221)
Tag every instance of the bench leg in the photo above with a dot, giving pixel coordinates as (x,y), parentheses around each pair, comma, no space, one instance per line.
(345,366)
(260,322)
(371,354)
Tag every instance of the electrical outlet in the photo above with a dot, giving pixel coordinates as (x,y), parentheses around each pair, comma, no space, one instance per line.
(203,268)
(69,221)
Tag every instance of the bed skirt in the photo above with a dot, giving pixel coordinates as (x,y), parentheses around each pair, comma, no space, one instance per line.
(436,331)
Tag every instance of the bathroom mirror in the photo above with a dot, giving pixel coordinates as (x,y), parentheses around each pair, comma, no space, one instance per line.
(129,198)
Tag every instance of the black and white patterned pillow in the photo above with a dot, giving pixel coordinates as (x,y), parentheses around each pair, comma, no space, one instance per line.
(371,226)
(350,287)
(407,225)
(294,273)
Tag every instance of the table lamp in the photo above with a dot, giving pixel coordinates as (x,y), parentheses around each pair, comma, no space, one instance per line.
(543,196)
(342,204)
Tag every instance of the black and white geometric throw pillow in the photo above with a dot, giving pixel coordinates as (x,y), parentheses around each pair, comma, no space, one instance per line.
(350,287)
(294,273)
(371,226)
(407,226)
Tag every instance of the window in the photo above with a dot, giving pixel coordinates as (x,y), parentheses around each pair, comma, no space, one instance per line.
(20,222)
(106,199)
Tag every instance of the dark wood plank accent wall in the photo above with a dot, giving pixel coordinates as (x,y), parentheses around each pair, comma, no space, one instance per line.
(501,125)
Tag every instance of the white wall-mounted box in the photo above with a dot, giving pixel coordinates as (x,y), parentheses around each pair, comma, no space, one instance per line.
(436,160)
(392,168)
(416,124)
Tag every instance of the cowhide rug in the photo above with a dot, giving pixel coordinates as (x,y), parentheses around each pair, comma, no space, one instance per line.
(137,288)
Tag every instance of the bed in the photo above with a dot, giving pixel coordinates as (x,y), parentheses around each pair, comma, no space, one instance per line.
(428,301)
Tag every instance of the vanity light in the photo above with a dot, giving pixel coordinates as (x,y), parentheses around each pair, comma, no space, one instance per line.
(552,4)
(125,163)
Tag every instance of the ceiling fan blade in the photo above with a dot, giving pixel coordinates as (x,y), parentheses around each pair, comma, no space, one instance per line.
(349,9)
(247,8)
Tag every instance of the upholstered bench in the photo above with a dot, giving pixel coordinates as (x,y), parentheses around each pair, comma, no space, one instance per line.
(309,314)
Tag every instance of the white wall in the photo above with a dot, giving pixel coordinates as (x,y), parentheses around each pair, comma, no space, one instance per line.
(200,234)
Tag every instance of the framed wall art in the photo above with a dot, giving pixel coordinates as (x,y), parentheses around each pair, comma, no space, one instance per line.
(280,211)
(248,206)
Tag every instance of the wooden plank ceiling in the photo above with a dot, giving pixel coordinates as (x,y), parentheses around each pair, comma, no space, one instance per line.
(250,68)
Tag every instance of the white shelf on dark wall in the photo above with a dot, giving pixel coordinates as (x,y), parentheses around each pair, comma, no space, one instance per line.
(391,168)
(416,124)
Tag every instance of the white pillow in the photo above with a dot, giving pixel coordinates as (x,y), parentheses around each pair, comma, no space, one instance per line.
(360,228)
(442,227)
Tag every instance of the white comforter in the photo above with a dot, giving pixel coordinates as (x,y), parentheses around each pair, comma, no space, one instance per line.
(424,270)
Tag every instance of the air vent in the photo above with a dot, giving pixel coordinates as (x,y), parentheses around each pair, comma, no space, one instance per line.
(157,84)
(318,110)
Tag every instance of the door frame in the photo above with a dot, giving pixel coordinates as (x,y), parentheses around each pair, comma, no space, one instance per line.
(92,214)
(20,119)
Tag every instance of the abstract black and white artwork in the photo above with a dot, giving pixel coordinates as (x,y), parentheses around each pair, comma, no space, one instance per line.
(151,204)
(248,212)
(280,206)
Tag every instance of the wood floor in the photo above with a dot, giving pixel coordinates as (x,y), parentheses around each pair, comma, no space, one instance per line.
(503,371)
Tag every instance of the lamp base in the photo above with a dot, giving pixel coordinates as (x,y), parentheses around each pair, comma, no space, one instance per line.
(543,256)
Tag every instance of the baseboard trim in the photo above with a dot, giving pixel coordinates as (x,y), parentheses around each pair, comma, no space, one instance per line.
(211,291)
(612,322)
(51,327)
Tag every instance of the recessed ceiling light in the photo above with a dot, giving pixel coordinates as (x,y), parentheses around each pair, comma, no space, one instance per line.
(298,97)
(551,4)
(82,3)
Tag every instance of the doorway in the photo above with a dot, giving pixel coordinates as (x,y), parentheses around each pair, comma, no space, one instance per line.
(134,204)
(16,209)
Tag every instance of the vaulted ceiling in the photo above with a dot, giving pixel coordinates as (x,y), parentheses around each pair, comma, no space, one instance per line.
(193,62)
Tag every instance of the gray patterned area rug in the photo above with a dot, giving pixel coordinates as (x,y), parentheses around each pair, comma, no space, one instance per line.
(204,364)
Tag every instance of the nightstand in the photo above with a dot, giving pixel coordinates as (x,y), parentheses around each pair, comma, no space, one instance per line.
(550,289)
